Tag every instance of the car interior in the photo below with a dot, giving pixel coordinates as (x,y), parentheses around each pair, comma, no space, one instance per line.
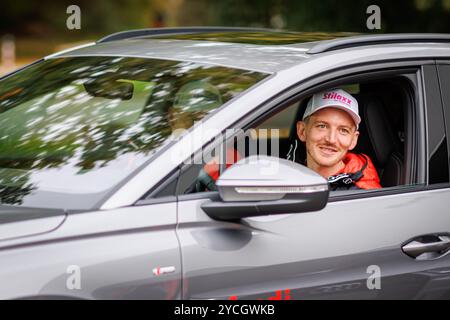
(383,107)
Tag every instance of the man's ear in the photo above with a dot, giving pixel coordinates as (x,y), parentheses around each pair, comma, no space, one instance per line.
(301,129)
(354,141)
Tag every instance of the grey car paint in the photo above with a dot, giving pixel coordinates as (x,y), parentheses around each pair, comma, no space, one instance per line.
(116,252)
(273,174)
(314,255)
(30,226)
(265,58)
(17,222)
(323,254)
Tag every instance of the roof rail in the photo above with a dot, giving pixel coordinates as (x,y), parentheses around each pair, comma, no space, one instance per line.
(350,42)
(162,31)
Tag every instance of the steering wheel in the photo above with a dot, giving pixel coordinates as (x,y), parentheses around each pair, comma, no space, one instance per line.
(204,182)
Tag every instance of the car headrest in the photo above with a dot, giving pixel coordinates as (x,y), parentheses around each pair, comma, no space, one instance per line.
(299,115)
(297,151)
(379,130)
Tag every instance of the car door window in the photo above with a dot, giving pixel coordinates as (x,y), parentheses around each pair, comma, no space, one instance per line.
(386,134)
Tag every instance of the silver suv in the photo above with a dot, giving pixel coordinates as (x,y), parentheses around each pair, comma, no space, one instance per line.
(102,149)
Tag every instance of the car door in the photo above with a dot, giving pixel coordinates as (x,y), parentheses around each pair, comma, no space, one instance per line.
(354,248)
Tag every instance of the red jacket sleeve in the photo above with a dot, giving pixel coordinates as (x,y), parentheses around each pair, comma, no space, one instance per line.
(212,168)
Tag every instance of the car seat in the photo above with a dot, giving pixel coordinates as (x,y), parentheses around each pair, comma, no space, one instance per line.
(379,141)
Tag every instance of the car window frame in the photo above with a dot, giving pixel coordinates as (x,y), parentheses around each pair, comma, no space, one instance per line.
(417,147)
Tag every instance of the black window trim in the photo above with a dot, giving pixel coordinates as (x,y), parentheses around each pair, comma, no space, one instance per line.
(445,113)
(433,106)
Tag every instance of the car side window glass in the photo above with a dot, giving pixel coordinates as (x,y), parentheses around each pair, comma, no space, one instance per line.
(203,170)
(270,138)
(189,177)
(385,111)
(381,143)
(167,188)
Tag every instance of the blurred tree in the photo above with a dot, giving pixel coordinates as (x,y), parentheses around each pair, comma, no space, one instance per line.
(47,17)
(194,13)
(332,15)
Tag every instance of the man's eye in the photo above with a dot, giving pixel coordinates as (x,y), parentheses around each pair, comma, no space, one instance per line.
(345,131)
(321,126)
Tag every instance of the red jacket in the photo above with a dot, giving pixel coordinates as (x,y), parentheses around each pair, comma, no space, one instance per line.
(353,163)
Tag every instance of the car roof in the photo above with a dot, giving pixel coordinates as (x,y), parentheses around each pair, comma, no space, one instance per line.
(268,59)
(262,50)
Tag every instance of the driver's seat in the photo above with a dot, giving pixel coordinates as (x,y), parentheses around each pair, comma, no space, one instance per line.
(378,140)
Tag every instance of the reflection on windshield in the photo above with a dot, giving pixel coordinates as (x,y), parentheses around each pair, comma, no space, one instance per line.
(78,126)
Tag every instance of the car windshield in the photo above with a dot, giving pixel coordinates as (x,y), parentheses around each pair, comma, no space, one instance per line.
(71,129)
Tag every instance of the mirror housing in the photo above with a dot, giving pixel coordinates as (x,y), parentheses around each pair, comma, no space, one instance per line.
(262,185)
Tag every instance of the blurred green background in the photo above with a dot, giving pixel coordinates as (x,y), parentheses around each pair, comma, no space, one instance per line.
(39,27)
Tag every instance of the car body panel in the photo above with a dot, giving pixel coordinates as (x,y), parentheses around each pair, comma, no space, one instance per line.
(262,58)
(116,252)
(267,59)
(30,227)
(315,255)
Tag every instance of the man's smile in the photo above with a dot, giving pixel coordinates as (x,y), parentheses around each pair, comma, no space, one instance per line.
(328,151)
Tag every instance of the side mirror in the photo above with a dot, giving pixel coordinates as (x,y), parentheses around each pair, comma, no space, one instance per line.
(261,185)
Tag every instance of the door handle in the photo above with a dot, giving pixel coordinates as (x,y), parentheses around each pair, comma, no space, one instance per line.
(427,247)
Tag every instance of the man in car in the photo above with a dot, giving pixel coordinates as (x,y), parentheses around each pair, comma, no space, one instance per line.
(329,130)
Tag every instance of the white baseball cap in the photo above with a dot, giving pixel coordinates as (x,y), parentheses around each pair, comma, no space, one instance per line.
(336,98)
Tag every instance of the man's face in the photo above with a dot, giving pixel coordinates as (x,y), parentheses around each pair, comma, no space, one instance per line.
(328,133)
